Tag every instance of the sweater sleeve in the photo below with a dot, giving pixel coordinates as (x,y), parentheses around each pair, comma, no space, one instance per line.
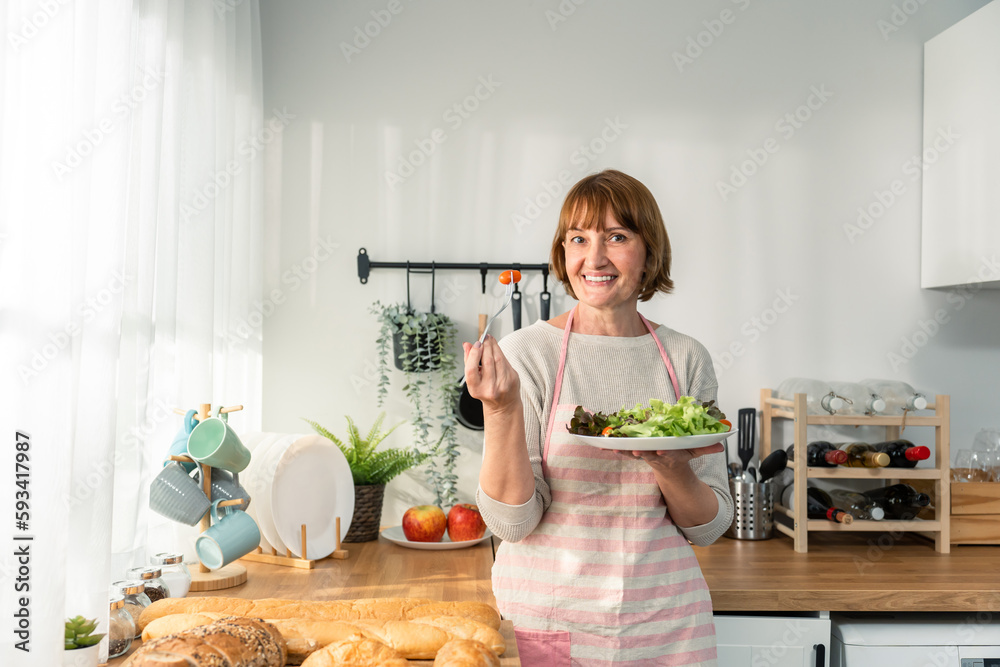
(710,469)
(512,523)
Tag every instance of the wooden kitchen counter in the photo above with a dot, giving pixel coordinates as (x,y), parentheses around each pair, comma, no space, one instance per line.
(850,572)
(380,569)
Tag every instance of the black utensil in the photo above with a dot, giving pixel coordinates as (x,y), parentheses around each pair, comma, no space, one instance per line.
(515,307)
(747,421)
(773,464)
(544,299)
(469,410)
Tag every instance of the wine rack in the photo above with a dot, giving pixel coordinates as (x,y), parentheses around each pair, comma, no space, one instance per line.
(939,475)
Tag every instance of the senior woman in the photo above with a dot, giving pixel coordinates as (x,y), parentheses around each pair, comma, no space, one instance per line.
(596,566)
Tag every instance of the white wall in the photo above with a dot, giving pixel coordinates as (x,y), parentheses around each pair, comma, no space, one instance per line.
(854,297)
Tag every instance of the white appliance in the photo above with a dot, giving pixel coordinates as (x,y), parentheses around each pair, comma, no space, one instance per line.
(915,640)
(773,641)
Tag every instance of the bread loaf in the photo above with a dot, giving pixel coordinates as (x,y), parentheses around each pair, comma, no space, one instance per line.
(420,639)
(466,628)
(466,653)
(387,609)
(204,655)
(363,652)
(228,642)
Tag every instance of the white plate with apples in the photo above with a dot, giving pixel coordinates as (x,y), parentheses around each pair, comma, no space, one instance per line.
(395,535)
(431,530)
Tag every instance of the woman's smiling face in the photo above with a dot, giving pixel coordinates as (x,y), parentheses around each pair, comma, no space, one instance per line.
(605,264)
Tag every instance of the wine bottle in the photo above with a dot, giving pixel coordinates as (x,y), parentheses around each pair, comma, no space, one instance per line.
(860,399)
(903,453)
(899,397)
(863,455)
(819,505)
(858,504)
(820,398)
(900,501)
(820,454)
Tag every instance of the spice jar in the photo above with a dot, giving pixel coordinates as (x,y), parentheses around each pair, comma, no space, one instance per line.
(156,588)
(174,573)
(136,599)
(122,627)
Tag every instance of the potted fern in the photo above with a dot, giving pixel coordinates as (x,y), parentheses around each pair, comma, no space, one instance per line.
(424,347)
(371,471)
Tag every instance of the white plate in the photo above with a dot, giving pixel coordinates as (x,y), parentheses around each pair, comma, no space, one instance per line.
(312,485)
(652,444)
(396,536)
(268,455)
(256,442)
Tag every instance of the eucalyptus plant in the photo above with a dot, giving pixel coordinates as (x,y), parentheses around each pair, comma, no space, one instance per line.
(426,352)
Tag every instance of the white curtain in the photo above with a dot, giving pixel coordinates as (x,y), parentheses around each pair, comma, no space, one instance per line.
(131,135)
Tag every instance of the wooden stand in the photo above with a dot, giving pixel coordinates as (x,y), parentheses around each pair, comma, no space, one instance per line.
(288,560)
(937,529)
(234,574)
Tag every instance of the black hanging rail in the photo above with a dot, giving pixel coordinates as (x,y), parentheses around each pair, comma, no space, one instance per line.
(365,266)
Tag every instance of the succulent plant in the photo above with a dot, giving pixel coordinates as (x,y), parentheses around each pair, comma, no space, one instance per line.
(79,633)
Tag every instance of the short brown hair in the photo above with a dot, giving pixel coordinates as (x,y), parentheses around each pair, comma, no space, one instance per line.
(632,204)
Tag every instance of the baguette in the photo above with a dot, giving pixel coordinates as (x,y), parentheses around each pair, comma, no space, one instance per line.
(466,628)
(420,639)
(387,609)
(361,652)
(466,653)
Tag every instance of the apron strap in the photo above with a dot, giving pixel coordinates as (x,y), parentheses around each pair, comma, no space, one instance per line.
(663,355)
(558,388)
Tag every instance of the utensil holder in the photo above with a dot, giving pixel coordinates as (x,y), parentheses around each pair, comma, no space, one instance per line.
(754,515)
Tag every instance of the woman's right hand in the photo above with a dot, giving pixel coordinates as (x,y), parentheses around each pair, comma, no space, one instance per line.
(490,377)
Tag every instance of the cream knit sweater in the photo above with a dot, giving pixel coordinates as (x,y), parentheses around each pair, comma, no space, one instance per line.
(603,373)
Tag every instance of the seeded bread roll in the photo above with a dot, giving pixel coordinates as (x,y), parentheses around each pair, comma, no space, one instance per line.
(466,653)
(227,642)
(204,655)
(256,642)
(359,652)
(387,609)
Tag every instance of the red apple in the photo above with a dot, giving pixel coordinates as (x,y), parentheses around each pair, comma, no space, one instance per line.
(424,523)
(465,523)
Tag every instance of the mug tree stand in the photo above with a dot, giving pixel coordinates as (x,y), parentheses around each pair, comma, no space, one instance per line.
(234,574)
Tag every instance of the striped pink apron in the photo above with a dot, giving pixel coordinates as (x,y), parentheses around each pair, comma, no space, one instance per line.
(605,578)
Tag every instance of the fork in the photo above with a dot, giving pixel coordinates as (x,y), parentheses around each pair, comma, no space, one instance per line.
(507,296)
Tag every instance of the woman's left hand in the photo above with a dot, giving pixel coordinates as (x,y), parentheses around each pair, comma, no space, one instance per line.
(665,461)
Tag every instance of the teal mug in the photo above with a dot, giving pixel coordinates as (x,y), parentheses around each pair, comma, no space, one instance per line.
(232,536)
(214,443)
(179,447)
(177,496)
(225,486)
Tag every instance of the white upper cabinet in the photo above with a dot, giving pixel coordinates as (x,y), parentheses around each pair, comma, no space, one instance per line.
(961,161)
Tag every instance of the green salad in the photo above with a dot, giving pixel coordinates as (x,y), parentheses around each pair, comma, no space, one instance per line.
(687,416)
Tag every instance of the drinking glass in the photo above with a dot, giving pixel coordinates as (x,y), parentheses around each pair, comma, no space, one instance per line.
(961,469)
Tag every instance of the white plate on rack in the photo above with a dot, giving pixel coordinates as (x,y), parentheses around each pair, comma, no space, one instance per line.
(311,485)
(256,442)
(396,536)
(267,460)
(652,444)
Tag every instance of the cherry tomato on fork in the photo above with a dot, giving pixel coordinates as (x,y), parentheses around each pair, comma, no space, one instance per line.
(507,276)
